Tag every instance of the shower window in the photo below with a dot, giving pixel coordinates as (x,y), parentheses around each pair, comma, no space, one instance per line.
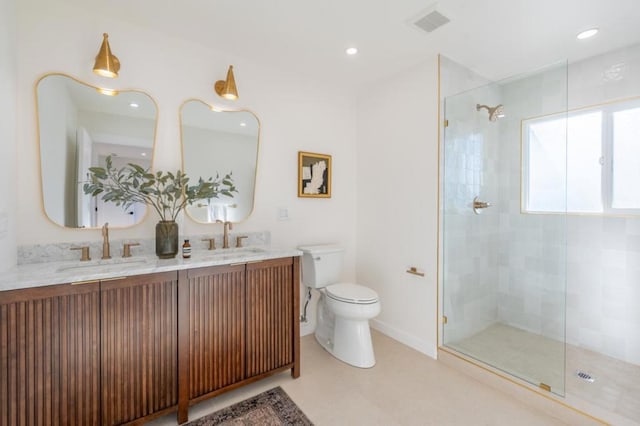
(602,157)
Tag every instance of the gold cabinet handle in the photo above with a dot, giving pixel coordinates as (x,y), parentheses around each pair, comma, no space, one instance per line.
(104,280)
(85,282)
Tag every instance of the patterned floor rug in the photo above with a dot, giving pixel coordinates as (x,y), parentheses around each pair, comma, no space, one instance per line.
(270,408)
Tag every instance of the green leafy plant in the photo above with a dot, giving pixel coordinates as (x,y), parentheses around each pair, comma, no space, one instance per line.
(168,193)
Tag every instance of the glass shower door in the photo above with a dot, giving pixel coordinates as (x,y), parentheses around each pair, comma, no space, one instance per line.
(504,279)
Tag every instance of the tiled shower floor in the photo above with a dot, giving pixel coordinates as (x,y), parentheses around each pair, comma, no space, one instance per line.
(535,358)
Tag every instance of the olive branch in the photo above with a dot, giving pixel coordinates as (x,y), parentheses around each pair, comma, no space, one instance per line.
(168,193)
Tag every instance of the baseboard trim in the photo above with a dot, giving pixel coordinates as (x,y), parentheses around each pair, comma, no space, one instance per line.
(405,338)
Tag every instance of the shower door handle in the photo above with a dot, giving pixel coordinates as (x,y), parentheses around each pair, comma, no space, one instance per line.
(478,205)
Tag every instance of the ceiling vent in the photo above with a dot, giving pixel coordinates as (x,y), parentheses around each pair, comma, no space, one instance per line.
(431,21)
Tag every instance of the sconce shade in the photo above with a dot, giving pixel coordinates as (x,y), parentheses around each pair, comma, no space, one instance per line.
(107,64)
(227,88)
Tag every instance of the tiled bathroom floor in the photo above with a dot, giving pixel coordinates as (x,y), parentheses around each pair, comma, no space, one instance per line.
(534,358)
(529,356)
(404,388)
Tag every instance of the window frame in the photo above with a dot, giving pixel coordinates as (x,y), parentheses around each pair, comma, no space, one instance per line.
(607,145)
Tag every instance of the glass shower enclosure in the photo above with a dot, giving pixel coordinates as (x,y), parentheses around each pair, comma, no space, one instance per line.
(503,210)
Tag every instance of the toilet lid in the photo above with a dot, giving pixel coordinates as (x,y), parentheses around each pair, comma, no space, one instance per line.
(351,293)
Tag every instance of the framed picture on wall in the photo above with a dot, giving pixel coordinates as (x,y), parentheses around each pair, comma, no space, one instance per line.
(314,175)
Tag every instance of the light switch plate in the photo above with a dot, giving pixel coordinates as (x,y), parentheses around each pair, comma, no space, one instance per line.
(283,213)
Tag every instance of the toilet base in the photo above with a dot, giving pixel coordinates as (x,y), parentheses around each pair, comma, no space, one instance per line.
(347,339)
(356,351)
(352,343)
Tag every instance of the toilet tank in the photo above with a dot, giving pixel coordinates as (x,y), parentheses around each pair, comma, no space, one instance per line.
(321,265)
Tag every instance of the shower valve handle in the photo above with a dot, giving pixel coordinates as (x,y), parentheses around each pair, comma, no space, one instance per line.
(478,205)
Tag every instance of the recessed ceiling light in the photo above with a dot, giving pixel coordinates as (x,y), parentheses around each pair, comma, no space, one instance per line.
(243,124)
(134,105)
(587,33)
(351,50)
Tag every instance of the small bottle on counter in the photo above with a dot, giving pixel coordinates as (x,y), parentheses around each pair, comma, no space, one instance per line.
(186,249)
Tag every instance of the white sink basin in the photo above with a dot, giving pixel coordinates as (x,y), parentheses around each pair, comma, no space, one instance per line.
(101,265)
(230,253)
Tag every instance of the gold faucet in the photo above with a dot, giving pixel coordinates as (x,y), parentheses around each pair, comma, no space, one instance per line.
(225,237)
(239,240)
(212,243)
(126,249)
(85,253)
(105,241)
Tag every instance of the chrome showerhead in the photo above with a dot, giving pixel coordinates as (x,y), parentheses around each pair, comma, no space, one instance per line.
(494,113)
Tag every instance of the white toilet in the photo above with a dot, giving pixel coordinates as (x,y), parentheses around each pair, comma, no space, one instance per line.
(344,309)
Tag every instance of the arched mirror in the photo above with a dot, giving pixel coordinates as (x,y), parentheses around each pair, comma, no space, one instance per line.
(219,142)
(79,125)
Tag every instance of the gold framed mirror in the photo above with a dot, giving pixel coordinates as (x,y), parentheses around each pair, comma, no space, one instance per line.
(79,125)
(217,141)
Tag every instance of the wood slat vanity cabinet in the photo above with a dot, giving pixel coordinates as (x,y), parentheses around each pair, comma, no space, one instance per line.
(50,355)
(99,352)
(139,339)
(130,349)
(238,324)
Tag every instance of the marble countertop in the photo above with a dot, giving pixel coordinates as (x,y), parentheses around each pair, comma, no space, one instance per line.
(48,273)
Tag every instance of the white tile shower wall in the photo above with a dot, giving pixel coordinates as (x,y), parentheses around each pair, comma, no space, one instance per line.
(603,281)
(531,284)
(602,253)
(604,78)
(604,285)
(470,241)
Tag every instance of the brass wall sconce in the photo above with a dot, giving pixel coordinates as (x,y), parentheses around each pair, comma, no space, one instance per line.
(227,88)
(107,64)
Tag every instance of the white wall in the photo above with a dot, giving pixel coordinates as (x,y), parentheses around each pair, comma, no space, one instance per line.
(295,114)
(398,203)
(8,140)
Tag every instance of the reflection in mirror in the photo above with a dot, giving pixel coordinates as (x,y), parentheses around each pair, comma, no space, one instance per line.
(219,142)
(79,126)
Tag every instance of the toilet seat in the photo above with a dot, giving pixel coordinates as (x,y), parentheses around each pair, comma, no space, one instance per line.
(351,293)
